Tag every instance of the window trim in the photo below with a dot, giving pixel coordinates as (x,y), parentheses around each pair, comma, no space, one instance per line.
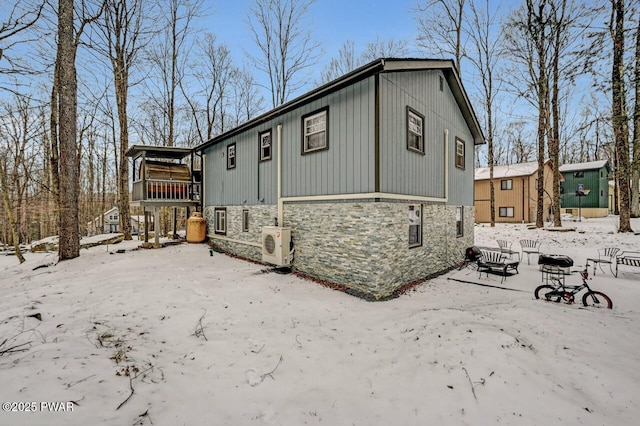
(460,143)
(245,220)
(261,156)
(222,211)
(509,185)
(229,156)
(459,222)
(325,111)
(411,111)
(419,243)
(506,210)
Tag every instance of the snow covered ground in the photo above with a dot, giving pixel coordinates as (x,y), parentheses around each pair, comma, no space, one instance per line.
(178,337)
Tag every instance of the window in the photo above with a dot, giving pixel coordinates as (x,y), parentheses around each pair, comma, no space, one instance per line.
(459,153)
(602,192)
(578,174)
(264,140)
(314,131)
(415,225)
(231,156)
(221,220)
(415,131)
(506,184)
(506,212)
(459,221)
(245,220)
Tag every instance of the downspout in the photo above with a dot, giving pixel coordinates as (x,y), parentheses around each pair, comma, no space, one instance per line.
(279,173)
(203,163)
(446,165)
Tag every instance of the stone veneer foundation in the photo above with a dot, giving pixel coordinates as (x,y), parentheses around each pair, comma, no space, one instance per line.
(362,245)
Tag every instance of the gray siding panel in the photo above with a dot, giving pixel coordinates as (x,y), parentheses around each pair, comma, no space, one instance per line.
(347,167)
(407,172)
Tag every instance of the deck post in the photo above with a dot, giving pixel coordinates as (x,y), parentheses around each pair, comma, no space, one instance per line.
(156,221)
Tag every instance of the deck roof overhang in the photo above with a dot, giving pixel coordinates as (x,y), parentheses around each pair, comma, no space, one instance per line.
(151,151)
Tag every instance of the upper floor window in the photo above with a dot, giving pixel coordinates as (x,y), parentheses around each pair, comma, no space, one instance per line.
(506,184)
(578,174)
(231,156)
(459,153)
(314,131)
(415,131)
(265,145)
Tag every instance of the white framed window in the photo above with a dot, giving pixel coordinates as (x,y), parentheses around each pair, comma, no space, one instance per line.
(506,184)
(231,156)
(506,212)
(245,220)
(415,225)
(264,140)
(315,127)
(415,131)
(459,221)
(220,216)
(459,153)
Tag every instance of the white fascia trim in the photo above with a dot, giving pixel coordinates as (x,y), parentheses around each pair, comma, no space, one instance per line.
(232,240)
(360,196)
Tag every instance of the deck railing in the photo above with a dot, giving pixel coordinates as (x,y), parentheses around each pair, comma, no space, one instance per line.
(164,190)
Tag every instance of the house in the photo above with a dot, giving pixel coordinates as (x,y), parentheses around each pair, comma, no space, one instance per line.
(515,192)
(109,222)
(370,174)
(585,191)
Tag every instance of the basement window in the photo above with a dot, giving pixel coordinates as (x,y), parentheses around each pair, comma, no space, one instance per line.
(245,220)
(220,216)
(415,225)
(459,221)
(265,145)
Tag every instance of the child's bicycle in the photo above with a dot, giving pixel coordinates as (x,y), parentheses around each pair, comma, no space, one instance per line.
(561,292)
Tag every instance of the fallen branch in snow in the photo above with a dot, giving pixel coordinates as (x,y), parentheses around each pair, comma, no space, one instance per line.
(131,378)
(199,331)
(12,349)
(470,383)
(141,419)
(270,373)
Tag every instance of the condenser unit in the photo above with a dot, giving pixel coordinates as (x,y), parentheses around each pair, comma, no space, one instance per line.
(276,243)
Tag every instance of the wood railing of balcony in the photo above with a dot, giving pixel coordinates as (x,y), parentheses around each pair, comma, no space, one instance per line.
(164,190)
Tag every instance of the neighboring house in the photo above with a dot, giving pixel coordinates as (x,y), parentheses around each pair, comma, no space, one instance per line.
(515,192)
(372,173)
(110,223)
(592,181)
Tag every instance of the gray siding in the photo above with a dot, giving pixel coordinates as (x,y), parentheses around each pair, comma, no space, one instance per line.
(406,172)
(347,167)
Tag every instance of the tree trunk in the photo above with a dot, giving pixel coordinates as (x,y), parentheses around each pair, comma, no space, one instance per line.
(13,226)
(620,126)
(635,165)
(69,239)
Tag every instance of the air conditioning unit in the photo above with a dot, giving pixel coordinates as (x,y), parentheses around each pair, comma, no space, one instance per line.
(276,242)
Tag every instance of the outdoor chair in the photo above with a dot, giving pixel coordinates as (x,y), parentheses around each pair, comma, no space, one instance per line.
(496,261)
(505,247)
(605,255)
(530,247)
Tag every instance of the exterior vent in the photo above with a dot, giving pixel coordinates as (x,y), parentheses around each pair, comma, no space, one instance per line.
(276,243)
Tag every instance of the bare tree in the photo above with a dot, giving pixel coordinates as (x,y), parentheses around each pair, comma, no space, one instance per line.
(620,119)
(635,165)
(21,16)
(484,58)
(123,36)
(384,48)
(441,26)
(285,44)
(4,189)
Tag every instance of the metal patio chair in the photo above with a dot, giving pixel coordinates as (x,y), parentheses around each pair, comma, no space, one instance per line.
(530,247)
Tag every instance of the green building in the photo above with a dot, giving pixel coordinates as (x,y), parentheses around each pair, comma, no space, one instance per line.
(585,190)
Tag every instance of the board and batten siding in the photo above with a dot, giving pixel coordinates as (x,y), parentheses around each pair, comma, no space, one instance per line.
(410,173)
(347,167)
